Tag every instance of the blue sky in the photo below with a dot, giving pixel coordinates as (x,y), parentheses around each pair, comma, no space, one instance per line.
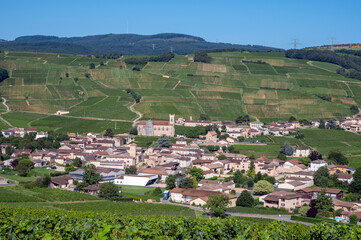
(271,23)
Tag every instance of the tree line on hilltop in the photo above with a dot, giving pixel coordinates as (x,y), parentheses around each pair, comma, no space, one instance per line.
(166,57)
(349,61)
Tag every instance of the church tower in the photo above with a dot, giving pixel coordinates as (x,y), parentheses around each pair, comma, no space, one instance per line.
(171,118)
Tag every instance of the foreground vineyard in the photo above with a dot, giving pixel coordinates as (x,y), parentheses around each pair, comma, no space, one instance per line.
(24,223)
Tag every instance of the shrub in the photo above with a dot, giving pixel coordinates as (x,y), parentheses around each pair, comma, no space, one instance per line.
(353,219)
(303,210)
(312,212)
(245,199)
(263,187)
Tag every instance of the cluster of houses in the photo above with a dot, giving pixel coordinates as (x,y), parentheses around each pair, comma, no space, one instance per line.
(21,132)
(246,131)
(112,155)
(159,128)
(351,124)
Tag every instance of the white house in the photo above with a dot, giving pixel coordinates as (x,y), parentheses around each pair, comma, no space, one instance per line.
(301,151)
(61,112)
(315,165)
(345,178)
(296,183)
(136,180)
(41,135)
(256,124)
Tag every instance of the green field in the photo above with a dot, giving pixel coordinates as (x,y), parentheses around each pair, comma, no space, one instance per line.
(322,140)
(232,84)
(21,194)
(34,173)
(88,204)
(268,211)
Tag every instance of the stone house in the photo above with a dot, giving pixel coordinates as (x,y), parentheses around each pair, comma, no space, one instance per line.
(301,151)
(283,199)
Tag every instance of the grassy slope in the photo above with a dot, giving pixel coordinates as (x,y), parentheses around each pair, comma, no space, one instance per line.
(224,89)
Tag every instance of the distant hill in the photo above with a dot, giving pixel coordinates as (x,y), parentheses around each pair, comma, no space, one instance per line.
(127,44)
(356,46)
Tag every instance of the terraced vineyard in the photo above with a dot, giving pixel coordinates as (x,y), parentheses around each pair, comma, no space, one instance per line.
(264,85)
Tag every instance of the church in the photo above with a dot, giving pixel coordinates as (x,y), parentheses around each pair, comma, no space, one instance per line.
(157,128)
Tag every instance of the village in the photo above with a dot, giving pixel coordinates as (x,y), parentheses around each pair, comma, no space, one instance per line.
(189,169)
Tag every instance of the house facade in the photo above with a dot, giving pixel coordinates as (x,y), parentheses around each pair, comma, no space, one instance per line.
(283,199)
(157,128)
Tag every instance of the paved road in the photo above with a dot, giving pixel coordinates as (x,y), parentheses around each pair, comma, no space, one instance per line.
(286,218)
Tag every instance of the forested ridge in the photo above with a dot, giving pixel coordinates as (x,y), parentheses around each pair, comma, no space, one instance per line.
(126,44)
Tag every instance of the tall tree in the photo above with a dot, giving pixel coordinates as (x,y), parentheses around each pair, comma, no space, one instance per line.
(131,170)
(321,177)
(170,181)
(109,133)
(24,167)
(263,187)
(108,190)
(286,149)
(337,157)
(250,182)
(203,117)
(197,173)
(314,155)
(292,118)
(195,183)
(164,141)
(217,204)
(324,202)
(91,66)
(77,162)
(91,176)
(238,177)
(355,185)
(186,183)
(245,199)
(252,170)
(243,119)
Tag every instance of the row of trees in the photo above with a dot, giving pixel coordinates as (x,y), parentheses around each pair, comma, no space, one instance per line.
(28,141)
(3,74)
(165,57)
(135,96)
(202,56)
(347,61)
(108,56)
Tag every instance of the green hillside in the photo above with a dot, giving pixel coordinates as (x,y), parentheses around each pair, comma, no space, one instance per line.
(265,85)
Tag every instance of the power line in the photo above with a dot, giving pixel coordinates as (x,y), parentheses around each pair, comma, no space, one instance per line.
(332,43)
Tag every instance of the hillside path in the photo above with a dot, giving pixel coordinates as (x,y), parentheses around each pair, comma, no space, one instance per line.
(140,115)
(176,85)
(7,110)
(4,103)
(93,118)
(357,114)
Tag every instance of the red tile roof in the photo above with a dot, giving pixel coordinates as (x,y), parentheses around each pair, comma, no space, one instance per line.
(294,161)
